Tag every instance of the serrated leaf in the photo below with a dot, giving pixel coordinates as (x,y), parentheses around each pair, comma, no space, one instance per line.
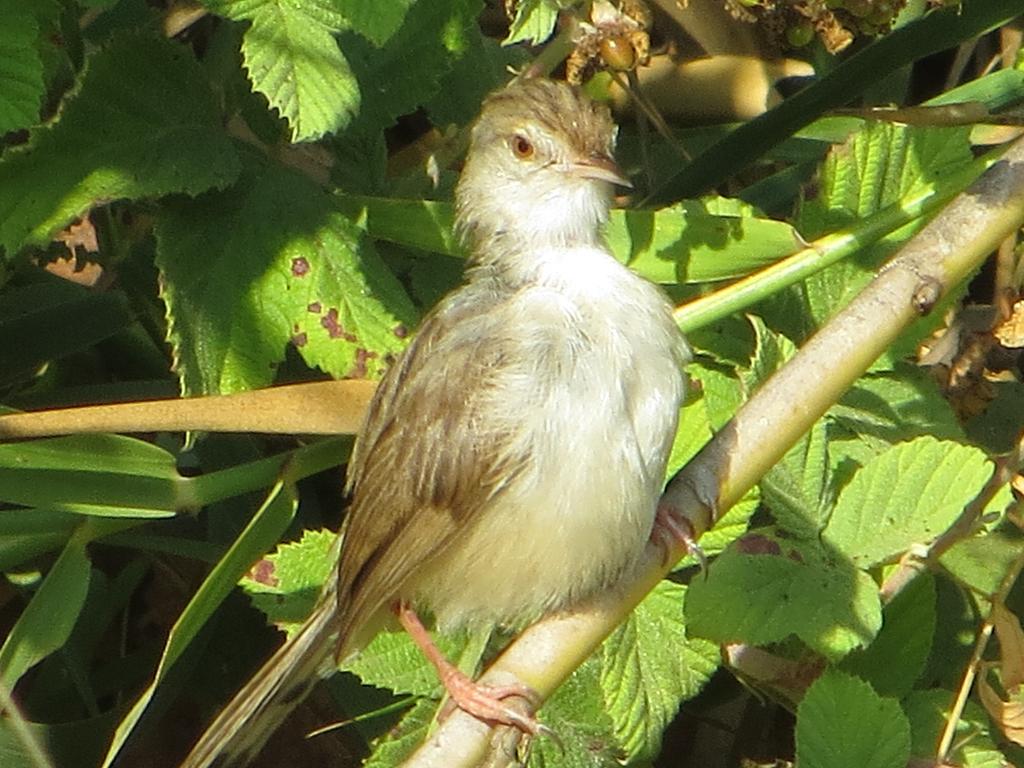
(721,392)
(406,73)
(391,660)
(895,659)
(577,714)
(796,490)
(534,22)
(843,723)
(285,584)
(144,122)
(398,744)
(376,20)
(293,59)
(764,589)
(21,70)
(906,495)
(648,667)
(270,262)
(693,432)
(771,351)
(981,561)
(875,168)
(896,406)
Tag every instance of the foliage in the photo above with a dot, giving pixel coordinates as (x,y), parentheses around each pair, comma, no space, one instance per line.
(264,196)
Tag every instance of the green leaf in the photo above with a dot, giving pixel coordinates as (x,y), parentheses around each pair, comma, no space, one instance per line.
(796,490)
(878,166)
(534,22)
(772,350)
(843,723)
(271,262)
(376,20)
(904,496)
(44,626)
(693,432)
(895,406)
(721,392)
(982,561)
(648,666)
(764,589)
(933,33)
(21,70)
(285,584)
(293,59)
(143,123)
(895,659)
(973,746)
(483,67)
(40,312)
(998,426)
(27,533)
(395,747)
(266,527)
(576,712)
(406,73)
(76,743)
(697,241)
(693,242)
(392,660)
(106,475)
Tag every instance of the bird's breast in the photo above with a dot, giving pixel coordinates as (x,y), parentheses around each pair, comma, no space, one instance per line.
(592,399)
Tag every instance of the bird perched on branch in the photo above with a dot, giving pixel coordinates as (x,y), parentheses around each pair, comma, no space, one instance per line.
(512,458)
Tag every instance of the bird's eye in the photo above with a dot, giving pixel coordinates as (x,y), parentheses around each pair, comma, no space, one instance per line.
(522,147)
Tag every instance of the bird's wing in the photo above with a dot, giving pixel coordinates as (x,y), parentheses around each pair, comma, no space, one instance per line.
(428,457)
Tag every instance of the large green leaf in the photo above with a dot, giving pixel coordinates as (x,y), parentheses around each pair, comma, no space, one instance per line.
(648,667)
(21,70)
(293,59)
(763,589)
(843,723)
(144,122)
(907,495)
(272,262)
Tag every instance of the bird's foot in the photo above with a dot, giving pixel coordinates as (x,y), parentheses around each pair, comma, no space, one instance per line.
(672,530)
(484,702)
(488,702)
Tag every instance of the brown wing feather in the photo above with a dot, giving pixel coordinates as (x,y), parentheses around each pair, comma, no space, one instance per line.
(426,461)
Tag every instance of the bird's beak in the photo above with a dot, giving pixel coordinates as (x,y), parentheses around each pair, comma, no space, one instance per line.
(600,168)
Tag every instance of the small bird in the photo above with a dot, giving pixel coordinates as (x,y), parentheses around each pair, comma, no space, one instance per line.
(512,458)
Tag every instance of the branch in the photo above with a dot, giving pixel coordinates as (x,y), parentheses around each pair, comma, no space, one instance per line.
(313,408)
(942,255)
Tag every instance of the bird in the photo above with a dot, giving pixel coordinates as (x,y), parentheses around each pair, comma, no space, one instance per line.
(512,458)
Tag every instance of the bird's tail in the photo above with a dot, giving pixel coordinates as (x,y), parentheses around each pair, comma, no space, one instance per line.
(239,732)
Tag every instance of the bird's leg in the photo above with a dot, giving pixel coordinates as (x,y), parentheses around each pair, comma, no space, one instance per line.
(484,702)
(672,529)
